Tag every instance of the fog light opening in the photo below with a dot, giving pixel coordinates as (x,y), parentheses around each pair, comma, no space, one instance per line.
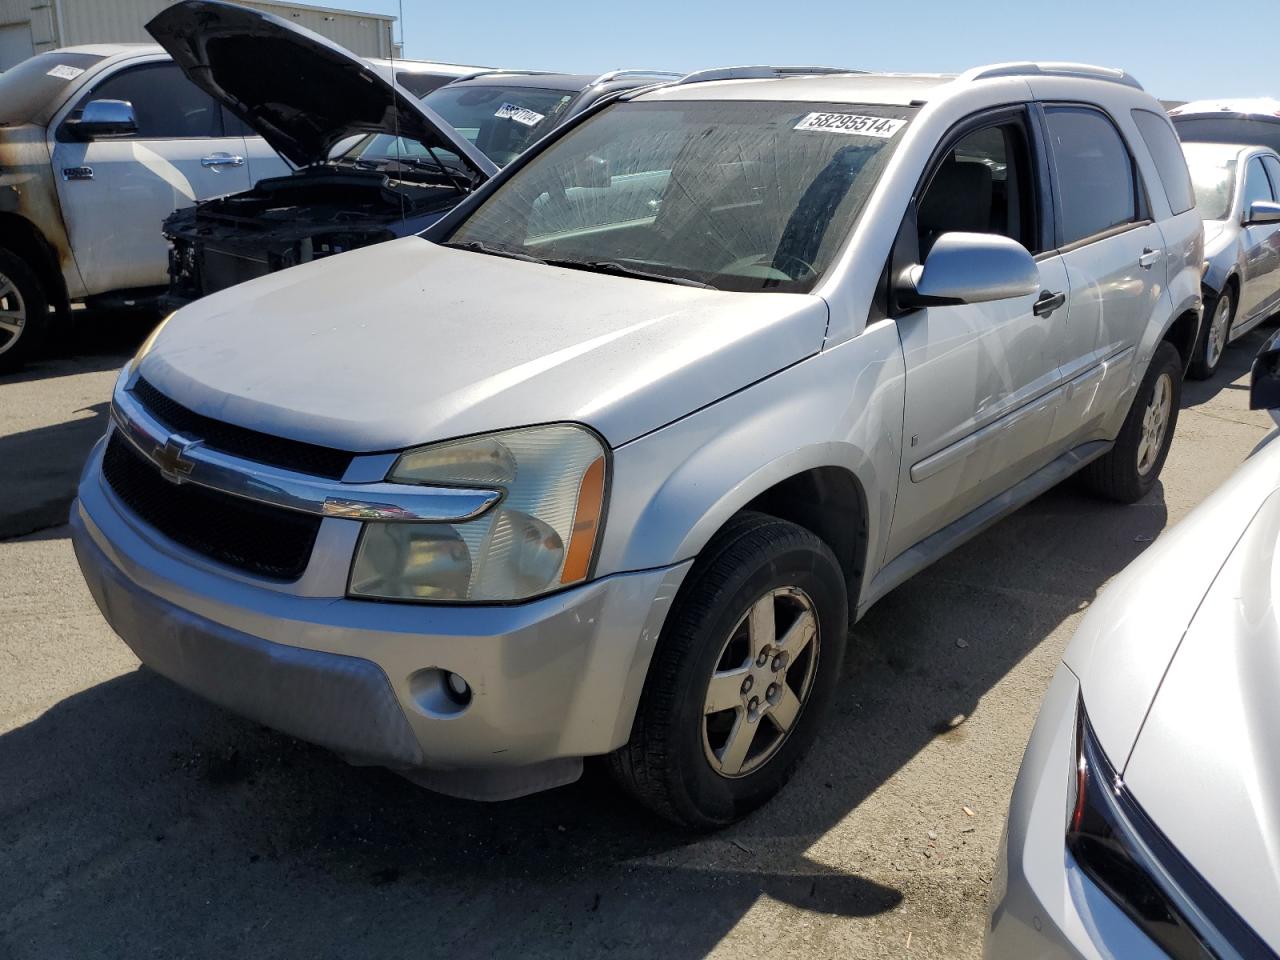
(440,693)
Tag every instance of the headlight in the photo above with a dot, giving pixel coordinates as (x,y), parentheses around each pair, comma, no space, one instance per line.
(1113,841)
(542,536)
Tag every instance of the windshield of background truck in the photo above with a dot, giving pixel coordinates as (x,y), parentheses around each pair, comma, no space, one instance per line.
(737,195)
(1214,181)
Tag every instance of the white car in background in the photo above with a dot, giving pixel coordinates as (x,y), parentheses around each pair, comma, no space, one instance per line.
(98,144)
(1145,821)
(1236,192)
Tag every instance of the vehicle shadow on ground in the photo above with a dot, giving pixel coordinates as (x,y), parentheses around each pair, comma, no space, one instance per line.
(39,470)
(137,819)
(91,341)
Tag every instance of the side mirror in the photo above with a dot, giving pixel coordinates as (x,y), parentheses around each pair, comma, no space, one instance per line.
(590,171)
(105,118)
(1264,379)
(1263,211)
(970,268)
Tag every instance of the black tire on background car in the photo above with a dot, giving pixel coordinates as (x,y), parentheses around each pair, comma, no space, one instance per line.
(1130,469)
(24,311)
(747,662)
(1219,312)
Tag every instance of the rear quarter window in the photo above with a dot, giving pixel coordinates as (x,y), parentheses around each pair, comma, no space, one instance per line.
(1162,142)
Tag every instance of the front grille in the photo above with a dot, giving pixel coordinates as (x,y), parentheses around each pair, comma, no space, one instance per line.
(261,540)
(241,441)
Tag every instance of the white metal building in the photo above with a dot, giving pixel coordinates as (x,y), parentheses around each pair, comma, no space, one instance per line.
(33,26)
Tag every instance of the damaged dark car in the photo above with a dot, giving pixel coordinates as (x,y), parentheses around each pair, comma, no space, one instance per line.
(312,101)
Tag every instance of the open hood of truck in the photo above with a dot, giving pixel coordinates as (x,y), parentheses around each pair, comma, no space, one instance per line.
(301,92)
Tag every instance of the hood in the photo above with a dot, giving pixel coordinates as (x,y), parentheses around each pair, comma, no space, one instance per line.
(1125,642)
(1216,237)
(409,342)
(1205,766)
(301,92)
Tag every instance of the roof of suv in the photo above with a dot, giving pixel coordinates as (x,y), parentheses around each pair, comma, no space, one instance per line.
(886,88)
(825,85)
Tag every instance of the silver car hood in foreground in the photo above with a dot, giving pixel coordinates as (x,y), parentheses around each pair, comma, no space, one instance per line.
(1206,766)
(408,342)
(1124,644)
(1179,663)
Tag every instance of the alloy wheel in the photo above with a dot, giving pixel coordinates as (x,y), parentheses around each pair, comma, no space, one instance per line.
(13,314)
(1216,341)
(761,681)
(1155,423)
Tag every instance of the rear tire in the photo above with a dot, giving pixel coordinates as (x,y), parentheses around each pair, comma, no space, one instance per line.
(24,311)
(745,667)
(1219,313)
(1130,469)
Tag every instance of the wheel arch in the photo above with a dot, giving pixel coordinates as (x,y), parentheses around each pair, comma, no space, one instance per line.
(815,488)
(25,240)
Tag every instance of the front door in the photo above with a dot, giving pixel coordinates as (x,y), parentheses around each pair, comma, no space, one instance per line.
(981,379)
(116,192)
(1261,282)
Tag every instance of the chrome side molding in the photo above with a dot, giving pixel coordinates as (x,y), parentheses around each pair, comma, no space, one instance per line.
(184,459)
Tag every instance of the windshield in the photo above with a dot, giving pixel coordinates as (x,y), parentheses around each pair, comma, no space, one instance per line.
(26,89)
(1214,180)
(500,120)
(737,195)
(1196,129)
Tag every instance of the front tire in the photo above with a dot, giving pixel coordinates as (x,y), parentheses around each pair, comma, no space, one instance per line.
(1219,312)
(24,311)
(1130,469)
(746,665)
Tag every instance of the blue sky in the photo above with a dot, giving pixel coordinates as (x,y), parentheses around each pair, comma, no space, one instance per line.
(1175,47)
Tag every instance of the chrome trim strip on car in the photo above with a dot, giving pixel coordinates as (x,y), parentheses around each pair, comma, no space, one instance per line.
(185,459)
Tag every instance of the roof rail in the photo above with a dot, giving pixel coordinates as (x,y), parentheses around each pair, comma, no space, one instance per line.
(758,72)
(622,74)
(1028,68)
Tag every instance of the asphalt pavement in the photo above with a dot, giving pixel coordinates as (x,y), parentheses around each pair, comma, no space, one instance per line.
(136,820)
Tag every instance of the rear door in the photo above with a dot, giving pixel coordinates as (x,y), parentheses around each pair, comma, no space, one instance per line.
(982,380)
(1114,257)
(116,192)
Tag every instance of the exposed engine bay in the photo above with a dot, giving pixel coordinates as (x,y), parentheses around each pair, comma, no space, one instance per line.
(285,221)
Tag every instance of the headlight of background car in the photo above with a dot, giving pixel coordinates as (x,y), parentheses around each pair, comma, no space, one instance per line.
(540,537)
(1113,840)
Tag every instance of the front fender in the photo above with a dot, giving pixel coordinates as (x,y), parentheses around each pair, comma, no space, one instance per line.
(674,488)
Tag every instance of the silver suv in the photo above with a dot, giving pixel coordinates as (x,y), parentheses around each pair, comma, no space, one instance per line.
(609,461)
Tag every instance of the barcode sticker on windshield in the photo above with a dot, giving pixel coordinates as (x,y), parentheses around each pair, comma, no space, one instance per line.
(509,111)
(63,72)
(881,127)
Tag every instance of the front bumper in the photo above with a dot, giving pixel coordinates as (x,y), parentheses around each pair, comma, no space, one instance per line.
(552,680)
(1042,904)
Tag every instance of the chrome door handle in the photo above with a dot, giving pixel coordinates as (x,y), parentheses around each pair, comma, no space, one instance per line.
(221,160)
(1048,303)
(1148,258)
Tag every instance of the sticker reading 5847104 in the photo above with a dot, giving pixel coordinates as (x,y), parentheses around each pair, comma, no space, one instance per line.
(881,127)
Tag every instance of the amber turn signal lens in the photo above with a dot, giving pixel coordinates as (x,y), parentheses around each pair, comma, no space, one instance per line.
(586,524)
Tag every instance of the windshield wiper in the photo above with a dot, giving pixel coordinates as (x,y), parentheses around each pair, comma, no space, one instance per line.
(479,246)
(622,270)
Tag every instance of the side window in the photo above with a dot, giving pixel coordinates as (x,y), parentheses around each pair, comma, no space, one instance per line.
(1256,185)
(1095,174)
(166,103)
(982,185)
(1162,142)
(1273,169)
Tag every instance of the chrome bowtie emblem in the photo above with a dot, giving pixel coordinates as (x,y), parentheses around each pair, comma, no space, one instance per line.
(171,458)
